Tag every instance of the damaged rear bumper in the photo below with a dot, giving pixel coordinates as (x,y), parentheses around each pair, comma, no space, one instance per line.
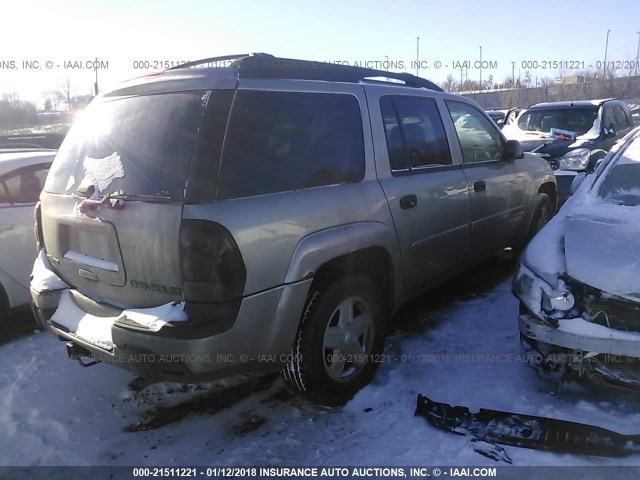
(256,338)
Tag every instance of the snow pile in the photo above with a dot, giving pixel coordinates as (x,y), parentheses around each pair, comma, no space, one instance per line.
(42,277)
(545,252)
(53,412)
(97,330)
(155,318)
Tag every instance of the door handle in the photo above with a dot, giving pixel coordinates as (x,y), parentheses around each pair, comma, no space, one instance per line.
(8,227)
(480,186)
(408,201)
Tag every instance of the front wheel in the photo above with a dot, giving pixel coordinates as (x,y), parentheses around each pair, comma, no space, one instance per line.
(339,342)
(542,214)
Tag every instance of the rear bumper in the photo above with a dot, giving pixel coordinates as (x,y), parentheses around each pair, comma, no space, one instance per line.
(259,338)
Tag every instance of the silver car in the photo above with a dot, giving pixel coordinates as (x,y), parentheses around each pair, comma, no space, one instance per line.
(22,175)
(579,279)
(270,215)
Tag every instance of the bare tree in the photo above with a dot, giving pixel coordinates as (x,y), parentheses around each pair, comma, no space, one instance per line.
(13,99)
(490,82)
(450,83)
(508,82)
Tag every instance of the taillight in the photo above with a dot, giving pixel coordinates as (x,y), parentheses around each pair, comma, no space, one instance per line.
(37,219)
(212,268)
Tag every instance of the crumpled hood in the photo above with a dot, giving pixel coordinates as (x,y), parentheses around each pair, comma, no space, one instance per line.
(602,249)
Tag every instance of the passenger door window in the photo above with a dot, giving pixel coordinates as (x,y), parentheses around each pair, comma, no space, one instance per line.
(415,134)
(480,140)
(283,141)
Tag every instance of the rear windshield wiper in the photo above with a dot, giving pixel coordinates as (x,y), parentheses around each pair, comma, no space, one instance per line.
(136,197)
(116,200)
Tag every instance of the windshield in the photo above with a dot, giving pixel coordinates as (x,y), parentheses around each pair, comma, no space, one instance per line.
(137,145)
(574,119)
(621,185)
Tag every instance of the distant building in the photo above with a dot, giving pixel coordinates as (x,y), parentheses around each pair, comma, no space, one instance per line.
(573,79)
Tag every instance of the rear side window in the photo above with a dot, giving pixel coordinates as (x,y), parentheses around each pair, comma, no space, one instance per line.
(415,133)
(621,118)
(140,145)
(282,141)
(609,117)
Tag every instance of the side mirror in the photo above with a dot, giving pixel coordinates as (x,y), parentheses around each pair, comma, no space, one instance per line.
(513,150)
(577,181)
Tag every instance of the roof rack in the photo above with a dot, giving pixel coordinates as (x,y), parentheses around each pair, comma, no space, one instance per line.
(263,65)
(224,58)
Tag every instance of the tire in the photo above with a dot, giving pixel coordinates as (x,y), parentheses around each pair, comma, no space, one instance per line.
(339,342)
(539,219)
(541,215)
(4,305)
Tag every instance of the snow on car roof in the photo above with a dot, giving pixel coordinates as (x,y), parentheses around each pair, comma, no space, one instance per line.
(571,103)
(17,158)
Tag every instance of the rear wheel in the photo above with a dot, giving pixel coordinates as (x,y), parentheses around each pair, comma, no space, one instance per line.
(339,341)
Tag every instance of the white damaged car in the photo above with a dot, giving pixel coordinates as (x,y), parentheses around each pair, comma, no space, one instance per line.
(578,281)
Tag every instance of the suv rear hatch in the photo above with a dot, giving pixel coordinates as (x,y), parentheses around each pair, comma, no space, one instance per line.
(112,204)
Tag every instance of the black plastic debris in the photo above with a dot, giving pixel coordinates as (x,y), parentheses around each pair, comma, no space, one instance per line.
(528,431)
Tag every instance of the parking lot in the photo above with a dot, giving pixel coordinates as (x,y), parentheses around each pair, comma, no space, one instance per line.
(349,235)
(458,344)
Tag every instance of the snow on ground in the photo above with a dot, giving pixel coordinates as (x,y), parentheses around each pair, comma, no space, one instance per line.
(461,350)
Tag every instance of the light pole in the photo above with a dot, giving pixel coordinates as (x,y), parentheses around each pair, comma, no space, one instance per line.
(95,66)
(606,46)
(480,67)
(635,72)
(513,74)
(418,57)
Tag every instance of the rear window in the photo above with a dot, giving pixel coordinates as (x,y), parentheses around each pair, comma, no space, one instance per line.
(138,145)
(282,141)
